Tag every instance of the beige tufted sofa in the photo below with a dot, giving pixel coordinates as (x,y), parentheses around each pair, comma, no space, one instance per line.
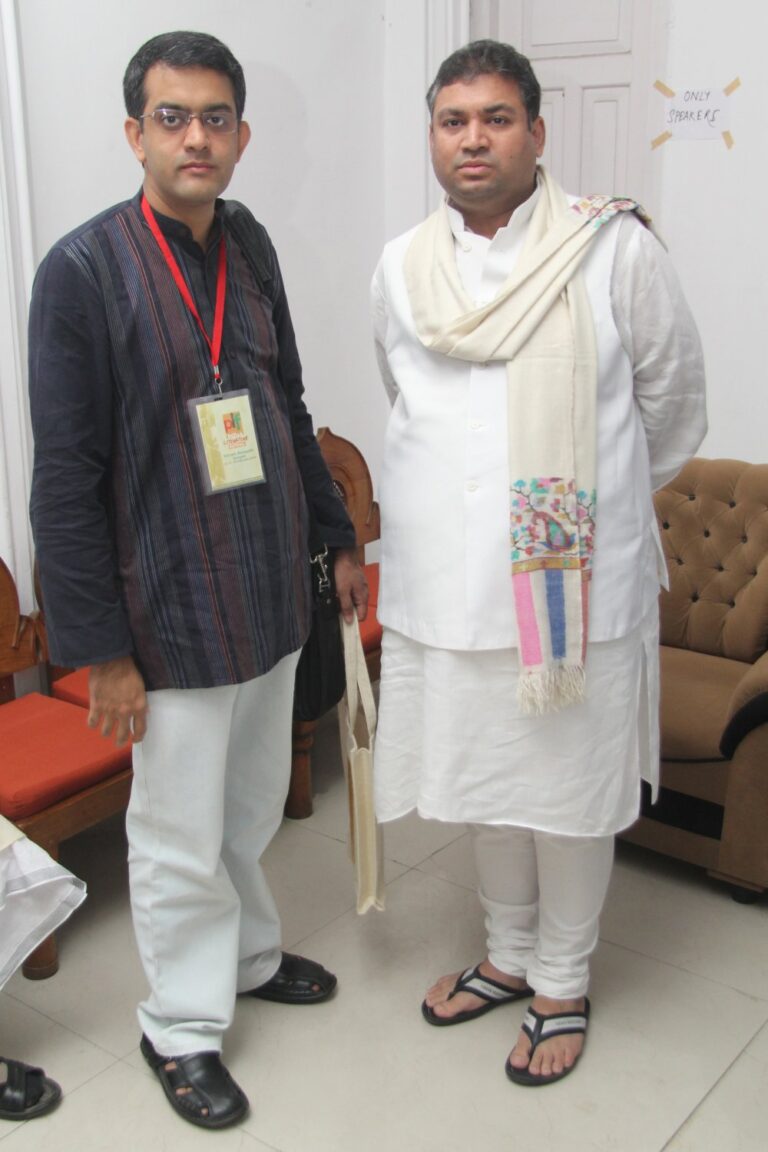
(713,807)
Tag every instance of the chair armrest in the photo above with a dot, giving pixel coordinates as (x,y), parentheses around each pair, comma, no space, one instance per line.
(748,707)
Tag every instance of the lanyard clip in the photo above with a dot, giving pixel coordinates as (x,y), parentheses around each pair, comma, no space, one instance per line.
(217,376)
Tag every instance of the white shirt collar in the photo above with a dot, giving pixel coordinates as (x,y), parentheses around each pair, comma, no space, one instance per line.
(506,235)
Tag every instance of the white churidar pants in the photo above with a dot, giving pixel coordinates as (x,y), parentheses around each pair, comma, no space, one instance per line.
(542,894)
(210,781)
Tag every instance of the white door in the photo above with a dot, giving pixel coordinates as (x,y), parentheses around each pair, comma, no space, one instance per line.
(596,61)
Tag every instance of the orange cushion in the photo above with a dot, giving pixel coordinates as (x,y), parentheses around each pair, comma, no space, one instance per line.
(372,576)
(73,687)
(49,753)
(370,629)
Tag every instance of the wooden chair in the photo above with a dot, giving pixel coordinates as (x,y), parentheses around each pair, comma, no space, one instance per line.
(352,481)
(57,776)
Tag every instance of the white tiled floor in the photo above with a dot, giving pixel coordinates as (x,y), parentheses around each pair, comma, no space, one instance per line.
(677,1057)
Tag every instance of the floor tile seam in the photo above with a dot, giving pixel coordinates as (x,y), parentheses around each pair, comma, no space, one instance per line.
(688,972)
(340,916)
(710,1091)
(70,1092)
(302,940)
(343,840)
(244,1127)
(435,876)
(409,869)
(113,1056)
(142,1068)
(320,832)
(59,1024)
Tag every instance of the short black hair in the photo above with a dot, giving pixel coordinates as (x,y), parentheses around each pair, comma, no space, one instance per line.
(485,58)
(181,50)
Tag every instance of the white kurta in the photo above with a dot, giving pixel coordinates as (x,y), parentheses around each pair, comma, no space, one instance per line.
(452,742)
(444,492)
(444,496)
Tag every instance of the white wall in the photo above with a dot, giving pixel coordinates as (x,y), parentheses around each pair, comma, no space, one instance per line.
(712,213)
(313,173)
(338,164)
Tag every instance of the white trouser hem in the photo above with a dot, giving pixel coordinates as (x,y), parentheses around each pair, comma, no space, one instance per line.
(542,894)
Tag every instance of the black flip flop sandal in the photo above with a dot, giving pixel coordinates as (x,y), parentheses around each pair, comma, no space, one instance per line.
(494,993)
(539,1028)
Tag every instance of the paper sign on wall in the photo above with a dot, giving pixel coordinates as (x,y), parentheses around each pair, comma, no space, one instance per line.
(696,114)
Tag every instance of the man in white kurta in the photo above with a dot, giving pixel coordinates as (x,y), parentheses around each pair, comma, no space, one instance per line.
(543,794)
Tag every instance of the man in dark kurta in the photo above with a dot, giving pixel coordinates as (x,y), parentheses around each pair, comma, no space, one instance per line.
(176,471)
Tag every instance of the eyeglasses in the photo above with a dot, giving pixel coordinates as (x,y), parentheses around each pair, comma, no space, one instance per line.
(220,122)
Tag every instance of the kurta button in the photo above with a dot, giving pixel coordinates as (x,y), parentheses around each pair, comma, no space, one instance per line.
(472,486)
(707,532)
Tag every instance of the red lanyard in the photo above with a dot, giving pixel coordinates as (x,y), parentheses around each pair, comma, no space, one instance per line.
(221,289)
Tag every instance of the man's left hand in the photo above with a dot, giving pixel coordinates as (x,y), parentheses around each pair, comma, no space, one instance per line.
(351,585)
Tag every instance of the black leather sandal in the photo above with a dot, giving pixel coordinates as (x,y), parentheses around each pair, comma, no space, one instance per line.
(297,981)
(198,1087)
(26,1091)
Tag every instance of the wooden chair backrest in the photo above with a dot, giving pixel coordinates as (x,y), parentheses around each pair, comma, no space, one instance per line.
(352,481)
(19,640)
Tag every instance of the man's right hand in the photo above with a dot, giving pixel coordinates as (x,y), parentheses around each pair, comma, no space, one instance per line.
(118,700)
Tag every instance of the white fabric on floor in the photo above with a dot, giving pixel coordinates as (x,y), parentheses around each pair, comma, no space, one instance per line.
(36,896)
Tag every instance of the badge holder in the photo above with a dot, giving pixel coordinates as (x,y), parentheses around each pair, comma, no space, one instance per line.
(227,445)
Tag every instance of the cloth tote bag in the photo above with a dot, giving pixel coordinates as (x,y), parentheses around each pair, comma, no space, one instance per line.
(357,727)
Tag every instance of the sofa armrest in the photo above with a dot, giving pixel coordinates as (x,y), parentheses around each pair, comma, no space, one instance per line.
(748,707)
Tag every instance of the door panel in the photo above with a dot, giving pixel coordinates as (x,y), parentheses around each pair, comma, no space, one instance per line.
(594,61)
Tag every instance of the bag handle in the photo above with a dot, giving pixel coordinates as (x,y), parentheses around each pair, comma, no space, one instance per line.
(359,690)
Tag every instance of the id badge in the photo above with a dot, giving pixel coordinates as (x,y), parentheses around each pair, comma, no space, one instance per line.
(228,449)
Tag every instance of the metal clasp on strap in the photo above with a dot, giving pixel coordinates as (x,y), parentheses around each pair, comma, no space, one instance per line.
(321,560)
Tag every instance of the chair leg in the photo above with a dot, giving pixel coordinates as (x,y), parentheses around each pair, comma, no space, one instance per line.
(44,961)
(299,802)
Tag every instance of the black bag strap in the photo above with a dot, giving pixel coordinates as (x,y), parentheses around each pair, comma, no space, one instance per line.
(253,240)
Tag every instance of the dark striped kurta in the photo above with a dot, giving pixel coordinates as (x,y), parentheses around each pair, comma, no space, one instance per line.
(134,557)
